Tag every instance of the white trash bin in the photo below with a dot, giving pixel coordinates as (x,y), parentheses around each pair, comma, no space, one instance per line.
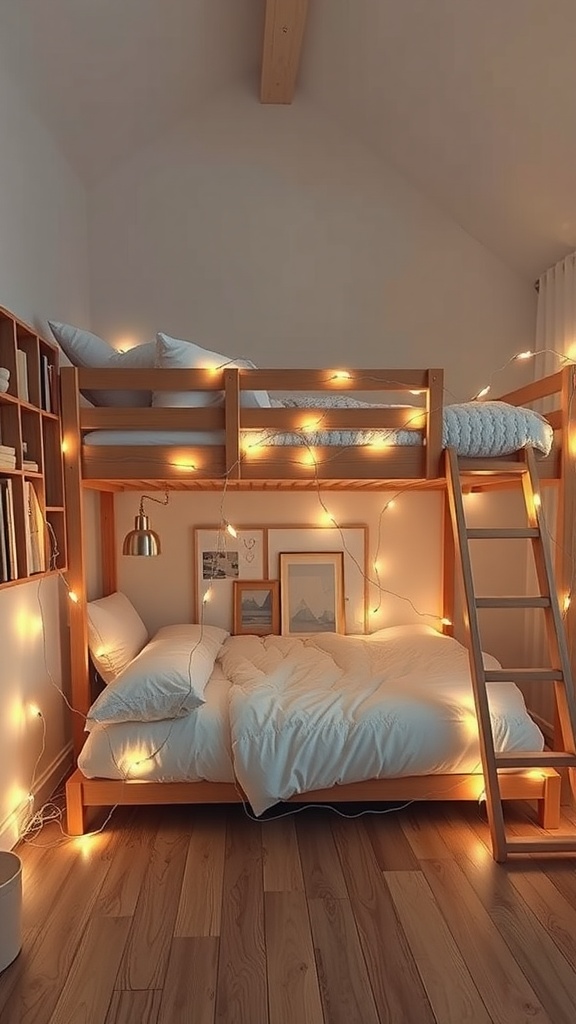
(10,908)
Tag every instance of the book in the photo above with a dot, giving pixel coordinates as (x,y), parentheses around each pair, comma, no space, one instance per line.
(9,527)
(6,449)
(22,375)
(34,526)
(4,577)
(29,466)
(7,462)
(45,383)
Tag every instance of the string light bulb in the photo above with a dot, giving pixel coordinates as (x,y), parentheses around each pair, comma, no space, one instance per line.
(342,375)
(207,596)
(524,355)
(73,596)
(230,529)
(566,602)
(446,622)
(482,393)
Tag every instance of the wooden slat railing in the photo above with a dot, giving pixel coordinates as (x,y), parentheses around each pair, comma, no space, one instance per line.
(227,414)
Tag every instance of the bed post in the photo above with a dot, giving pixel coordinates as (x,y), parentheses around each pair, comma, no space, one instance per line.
(80,686)
(566,515)
(448,567)
(232,421)
(108,536)
(434,424)
(75,809)
(548,808)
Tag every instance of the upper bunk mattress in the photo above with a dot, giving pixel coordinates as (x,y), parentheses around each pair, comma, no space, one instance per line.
(474,429)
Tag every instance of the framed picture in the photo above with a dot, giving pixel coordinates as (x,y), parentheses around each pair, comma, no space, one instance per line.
(219,561)
(312,589)
(350,539)
(256,607)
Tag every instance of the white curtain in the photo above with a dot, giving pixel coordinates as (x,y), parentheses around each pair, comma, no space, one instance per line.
(556,315)
(555,336)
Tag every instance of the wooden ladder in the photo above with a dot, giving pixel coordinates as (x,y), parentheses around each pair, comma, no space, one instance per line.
(559,673)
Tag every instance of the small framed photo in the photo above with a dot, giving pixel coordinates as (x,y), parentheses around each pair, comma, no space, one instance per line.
(312,588)
(256,607)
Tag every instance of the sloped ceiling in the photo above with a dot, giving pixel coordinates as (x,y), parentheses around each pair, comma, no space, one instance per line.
(473,100)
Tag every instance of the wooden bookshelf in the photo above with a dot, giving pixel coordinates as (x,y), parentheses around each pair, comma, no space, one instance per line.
(30,427)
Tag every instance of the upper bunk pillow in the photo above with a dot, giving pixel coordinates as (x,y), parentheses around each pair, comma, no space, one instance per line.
(88,350)
(116,634)
(166,680)
(173,354)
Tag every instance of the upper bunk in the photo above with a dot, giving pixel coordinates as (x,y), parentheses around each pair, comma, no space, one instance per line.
(311,430)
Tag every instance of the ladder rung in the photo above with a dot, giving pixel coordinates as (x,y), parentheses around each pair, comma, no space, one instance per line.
(504,533)
(523,675)
(546,844)
(473,466)
(536,759)
(512,602)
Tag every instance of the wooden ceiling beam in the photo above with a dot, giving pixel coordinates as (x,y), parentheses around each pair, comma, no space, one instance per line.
(284,25)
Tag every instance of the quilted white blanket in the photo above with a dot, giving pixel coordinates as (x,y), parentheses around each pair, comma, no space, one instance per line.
(475,429)
(331,709)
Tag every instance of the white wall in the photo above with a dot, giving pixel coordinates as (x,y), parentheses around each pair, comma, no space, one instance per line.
(162,588)
(265,231)
(43,273)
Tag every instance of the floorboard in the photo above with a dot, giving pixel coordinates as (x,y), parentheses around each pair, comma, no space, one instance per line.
(180,914)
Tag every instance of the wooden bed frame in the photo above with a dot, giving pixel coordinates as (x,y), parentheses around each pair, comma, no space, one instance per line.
(109,469)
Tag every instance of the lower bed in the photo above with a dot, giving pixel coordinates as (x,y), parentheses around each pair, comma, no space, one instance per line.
(390,716)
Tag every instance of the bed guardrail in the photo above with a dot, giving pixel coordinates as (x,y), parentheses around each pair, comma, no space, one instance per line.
(236,455)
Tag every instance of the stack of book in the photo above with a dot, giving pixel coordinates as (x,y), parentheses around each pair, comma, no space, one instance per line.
(4,378)
(7,457)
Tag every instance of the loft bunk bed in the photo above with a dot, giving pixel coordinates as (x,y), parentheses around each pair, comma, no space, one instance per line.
(318,442)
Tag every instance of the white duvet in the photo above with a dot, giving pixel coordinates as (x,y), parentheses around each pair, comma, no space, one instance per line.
(308,714)
(287,716)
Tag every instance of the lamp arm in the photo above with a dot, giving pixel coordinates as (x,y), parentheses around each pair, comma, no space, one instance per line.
(148,497)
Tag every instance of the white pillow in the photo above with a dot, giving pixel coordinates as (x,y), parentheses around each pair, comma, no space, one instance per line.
(166,680)
(173,354)
(116,634)
(88,350)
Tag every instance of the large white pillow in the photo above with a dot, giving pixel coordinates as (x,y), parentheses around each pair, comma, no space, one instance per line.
(166,680)
(116,634)
(173,354)
(88,350)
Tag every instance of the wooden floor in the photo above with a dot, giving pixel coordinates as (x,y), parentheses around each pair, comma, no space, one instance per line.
(200,915)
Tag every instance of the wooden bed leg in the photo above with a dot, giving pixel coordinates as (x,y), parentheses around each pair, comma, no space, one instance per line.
(549,806)
(75,810)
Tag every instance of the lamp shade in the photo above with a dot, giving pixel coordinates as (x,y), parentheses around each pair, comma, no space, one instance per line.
(141,540)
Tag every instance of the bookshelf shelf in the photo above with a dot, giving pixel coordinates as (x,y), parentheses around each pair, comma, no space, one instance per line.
(26,579)
(31,480)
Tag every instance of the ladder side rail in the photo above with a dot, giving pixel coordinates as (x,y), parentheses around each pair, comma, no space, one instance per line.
(557,645)
(493,799)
